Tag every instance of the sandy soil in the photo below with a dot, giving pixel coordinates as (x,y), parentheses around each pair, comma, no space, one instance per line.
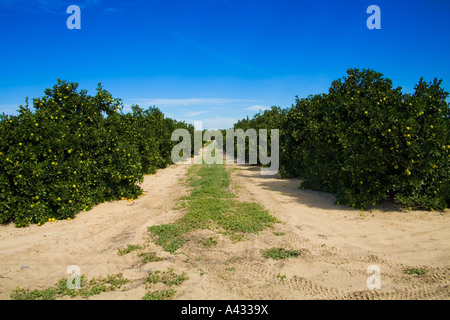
(338,244)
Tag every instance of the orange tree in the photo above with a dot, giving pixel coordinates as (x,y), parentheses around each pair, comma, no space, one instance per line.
(74,151)
(345,142)
(366,141)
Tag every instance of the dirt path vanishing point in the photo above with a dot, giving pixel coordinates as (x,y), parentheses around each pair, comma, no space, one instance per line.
(337,246)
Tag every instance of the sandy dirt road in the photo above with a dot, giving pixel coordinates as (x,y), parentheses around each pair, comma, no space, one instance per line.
(337,246)
(36,257)
(340,244)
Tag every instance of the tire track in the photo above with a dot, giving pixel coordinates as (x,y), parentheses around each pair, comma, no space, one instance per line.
(266,283)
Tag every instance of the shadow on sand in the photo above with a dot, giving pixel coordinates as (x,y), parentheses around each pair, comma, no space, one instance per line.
(315,199)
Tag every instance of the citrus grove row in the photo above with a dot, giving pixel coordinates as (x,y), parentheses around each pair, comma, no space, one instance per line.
(73,151)
(366,141)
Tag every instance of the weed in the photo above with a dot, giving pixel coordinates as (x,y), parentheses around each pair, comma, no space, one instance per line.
(88,288)
(246,217)
(26,294)
(225,277)
(281,277)
(128,249)
(168,277)
(236,237)
(209,242)
(417,271)
(147,257)
(232,260)
(160,295)
(280,253)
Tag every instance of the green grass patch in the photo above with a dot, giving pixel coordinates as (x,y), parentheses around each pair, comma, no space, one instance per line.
(169,277)
(246,217)
(147,257)
(209,242)
(280,253)
(281,277)
(87,288)
(417,271)
(26,294)
(160,295)
(129,248)
(211,205)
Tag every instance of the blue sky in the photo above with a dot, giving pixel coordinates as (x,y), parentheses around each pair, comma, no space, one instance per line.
(216,60)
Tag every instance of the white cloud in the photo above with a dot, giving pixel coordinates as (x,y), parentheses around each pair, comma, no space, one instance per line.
(219,123)
(187,101)
(215,113)
(257,108)
(195,113)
